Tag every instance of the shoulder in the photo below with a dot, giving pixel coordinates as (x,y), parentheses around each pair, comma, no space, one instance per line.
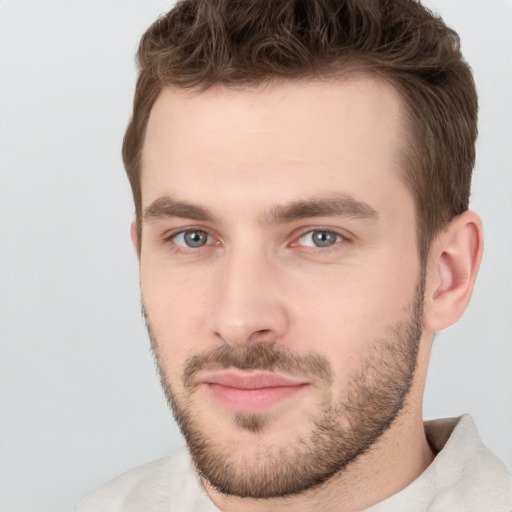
(153,486)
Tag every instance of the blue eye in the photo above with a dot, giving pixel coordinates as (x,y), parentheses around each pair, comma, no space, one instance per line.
(192,239)
(320,238)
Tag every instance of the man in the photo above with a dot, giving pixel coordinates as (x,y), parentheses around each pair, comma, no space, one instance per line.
(301,174)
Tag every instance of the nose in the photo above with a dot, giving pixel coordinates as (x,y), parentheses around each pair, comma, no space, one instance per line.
(249,304)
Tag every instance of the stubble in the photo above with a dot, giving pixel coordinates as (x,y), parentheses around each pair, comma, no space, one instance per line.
(340,430)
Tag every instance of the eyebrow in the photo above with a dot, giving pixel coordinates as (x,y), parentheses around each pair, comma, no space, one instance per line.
(168,207)
(333,205)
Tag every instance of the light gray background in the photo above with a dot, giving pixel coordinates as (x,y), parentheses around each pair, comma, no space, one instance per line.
(80,401)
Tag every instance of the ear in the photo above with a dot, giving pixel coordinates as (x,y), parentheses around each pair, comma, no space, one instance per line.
(135,236)
(453,265)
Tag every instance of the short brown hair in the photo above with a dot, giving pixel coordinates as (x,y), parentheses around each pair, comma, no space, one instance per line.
(200,43)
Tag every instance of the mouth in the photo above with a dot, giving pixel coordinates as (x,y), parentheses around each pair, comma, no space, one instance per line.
(251,392)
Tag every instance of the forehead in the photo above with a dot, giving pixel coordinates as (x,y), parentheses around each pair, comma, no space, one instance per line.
(288,138)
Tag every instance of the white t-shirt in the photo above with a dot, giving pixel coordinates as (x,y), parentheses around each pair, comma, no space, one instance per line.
(464,477)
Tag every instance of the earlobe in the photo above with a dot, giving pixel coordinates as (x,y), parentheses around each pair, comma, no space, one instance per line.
(452,269)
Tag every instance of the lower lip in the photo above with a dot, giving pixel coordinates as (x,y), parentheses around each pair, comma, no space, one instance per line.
(252,400)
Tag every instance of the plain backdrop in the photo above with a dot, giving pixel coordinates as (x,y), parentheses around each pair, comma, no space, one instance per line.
(80,400)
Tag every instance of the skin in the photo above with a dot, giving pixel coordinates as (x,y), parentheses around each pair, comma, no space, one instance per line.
(240,154)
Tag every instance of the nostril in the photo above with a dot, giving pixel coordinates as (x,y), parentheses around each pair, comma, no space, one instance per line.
(264,335)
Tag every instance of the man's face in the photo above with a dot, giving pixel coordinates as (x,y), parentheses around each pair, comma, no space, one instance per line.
(280,276)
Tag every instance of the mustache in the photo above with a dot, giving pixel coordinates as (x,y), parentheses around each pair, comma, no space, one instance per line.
(269,357)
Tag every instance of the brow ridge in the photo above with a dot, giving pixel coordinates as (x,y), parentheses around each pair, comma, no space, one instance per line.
(342,205)
(168,207)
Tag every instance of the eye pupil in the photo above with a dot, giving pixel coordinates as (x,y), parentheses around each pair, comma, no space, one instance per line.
(195,238)
(323,238)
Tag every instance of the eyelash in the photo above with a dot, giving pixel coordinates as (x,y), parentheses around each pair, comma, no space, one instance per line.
(170,239)
(342,238)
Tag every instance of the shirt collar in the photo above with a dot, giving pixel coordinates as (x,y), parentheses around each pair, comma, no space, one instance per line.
(464,476)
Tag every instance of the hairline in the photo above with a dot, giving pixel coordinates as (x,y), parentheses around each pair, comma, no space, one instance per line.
(344,71)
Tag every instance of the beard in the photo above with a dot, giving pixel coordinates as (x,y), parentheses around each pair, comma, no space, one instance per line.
(341,430)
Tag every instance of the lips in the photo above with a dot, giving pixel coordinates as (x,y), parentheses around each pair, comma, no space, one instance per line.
(251,392)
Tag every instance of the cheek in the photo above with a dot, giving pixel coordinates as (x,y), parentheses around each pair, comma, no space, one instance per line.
(343,315)
(175,306)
